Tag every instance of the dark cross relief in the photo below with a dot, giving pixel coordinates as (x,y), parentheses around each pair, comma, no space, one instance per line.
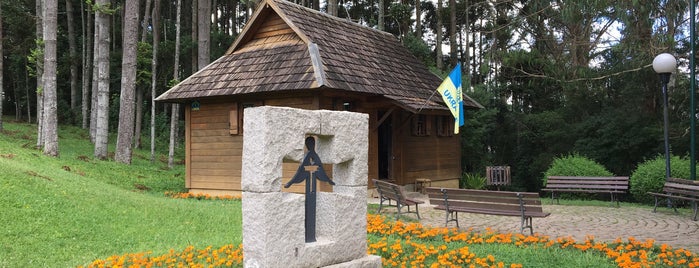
(309,167)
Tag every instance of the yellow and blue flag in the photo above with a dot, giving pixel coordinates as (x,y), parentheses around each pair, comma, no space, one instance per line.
(452,96)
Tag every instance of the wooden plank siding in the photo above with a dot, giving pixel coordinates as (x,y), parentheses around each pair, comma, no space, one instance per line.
(211,149)
(435,157)
(361,70)
(214,156)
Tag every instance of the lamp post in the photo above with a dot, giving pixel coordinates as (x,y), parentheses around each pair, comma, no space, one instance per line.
(664,64)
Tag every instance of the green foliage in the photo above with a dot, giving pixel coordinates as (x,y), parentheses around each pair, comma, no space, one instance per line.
(173,82)
(575,165)
(106,8)
(419,49)
(472,181)
(143,64)
(70,210)
(650,176)
(35,58)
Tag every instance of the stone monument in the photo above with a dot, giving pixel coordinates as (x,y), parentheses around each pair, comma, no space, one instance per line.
(274,224)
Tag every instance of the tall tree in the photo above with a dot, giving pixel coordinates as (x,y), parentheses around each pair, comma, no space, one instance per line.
(382,6)
(146,24)
(332,7)
(102,10)
(2,89)
(452,33)
(418,19)
(73,54)
(39,74)
(174,115)
(204,33)
(147,27)
(438,42)
(195,33)
(87,63)
(128,83)
(154,75)
(50,8)
(95,78)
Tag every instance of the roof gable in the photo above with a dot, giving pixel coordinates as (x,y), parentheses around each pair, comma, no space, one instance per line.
(289,47)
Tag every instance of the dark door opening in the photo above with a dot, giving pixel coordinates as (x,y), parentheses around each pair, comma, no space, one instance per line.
(385,145)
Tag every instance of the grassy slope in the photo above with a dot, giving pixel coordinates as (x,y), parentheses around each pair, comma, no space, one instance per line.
(61,212)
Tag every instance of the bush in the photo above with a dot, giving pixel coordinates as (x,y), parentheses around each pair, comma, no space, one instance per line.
(576,165)
(472,181)
(649,176)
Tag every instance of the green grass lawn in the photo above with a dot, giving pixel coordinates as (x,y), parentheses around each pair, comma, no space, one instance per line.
(70,210)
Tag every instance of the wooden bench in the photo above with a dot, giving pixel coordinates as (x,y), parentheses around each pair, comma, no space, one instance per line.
(498,176)
(522,204)
(679,189)
(389,191)
(575,184)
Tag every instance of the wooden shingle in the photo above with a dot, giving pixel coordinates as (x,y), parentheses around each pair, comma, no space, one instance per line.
(272,54)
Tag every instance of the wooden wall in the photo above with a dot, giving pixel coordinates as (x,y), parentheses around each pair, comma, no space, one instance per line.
(432,156)
(211,149)
(214,155)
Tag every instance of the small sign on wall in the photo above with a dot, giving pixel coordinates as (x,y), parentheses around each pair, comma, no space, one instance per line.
(195,105)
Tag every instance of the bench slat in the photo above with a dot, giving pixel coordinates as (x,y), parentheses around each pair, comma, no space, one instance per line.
(583,184)
(618,178)
(572,182)
(389,191)
(674,185)
(501,203)
(676,188)
(583,190)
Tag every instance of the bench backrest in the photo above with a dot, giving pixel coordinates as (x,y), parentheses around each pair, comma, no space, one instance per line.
(485,200)
(682,187)
(594,183)
(389,190)
(498,175)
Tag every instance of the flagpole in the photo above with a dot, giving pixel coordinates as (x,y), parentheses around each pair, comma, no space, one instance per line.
(428,99)
(425,103)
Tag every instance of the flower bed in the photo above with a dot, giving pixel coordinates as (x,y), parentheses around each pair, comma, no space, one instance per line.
(413,245)
(200,196)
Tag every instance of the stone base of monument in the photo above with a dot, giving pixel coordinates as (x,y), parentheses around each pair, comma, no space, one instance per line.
(370,261)
(274,227)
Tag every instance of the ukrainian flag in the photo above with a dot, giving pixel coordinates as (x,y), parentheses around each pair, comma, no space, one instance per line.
(452,96)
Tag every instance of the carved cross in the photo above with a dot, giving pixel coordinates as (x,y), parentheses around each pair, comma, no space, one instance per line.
(310,166)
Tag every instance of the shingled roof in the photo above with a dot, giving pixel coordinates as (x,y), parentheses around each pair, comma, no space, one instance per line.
(287,47)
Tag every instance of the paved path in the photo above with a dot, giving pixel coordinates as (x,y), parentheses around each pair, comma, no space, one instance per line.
(604,223)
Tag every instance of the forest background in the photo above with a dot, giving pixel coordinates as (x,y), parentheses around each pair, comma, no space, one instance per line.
(556,77)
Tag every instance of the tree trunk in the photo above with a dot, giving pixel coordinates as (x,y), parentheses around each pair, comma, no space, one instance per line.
(128,83)
(452,33)
(87,64)
(2,90)
(39,77)
(204,26)
(332,7)
(174,115)
(154,76)
(50,96)
(139,118)
(102,123)
(381,15)
(95,79)
(139,91)
(26,88)
(146,21)
(418,19)
(438,42)
(195,33)
(73,53)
